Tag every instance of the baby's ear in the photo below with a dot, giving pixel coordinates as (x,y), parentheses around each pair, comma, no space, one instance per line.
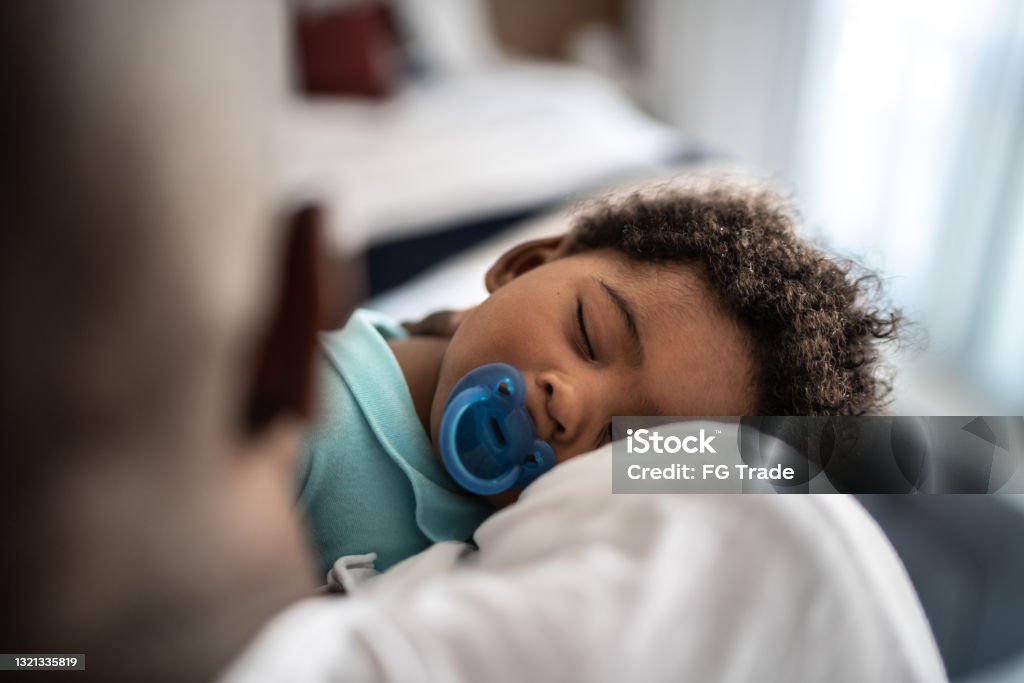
(526,257)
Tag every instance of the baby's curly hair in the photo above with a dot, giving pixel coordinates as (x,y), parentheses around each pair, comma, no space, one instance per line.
(815,336)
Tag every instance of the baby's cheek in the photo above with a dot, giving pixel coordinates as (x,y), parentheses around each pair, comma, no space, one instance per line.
(563,455)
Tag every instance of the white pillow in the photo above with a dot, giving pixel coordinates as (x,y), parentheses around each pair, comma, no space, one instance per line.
(448,37)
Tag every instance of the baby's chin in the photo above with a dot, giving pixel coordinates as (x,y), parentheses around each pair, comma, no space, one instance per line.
(503,499)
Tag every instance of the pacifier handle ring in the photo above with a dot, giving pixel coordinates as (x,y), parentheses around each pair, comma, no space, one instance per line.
(449,427)
(543,458)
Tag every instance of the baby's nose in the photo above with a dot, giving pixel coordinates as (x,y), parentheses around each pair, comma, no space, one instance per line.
(561,406)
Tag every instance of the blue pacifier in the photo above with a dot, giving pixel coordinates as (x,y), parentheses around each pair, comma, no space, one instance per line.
(487,439)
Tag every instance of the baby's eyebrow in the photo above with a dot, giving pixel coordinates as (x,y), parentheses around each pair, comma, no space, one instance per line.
(626,309)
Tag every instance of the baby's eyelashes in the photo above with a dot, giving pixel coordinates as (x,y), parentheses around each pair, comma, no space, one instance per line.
(586,346)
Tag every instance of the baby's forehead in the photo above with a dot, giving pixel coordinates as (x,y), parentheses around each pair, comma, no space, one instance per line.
(679,291)
(698,352)
(676,289)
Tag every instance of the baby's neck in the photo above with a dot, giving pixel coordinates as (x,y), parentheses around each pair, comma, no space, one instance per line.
(420,359)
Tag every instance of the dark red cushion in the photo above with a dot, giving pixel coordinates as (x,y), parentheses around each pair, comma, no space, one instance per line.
(348,51)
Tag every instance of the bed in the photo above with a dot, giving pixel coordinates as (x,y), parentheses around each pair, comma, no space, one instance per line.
(463,145)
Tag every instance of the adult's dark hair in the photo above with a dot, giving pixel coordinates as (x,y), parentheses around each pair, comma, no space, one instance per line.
(814,332)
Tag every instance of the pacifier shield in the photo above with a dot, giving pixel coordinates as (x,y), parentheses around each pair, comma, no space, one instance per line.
(488,443)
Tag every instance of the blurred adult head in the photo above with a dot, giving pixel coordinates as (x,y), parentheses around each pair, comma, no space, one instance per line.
(148,402)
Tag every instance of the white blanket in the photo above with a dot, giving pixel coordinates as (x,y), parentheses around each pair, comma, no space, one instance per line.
(574,583)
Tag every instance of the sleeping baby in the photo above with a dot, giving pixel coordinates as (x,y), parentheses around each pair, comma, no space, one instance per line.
(695,300)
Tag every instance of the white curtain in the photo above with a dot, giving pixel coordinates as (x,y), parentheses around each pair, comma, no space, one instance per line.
(900,124)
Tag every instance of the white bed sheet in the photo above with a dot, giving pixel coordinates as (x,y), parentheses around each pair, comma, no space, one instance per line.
(479,144)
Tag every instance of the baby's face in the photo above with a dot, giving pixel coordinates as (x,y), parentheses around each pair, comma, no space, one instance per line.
(596,335)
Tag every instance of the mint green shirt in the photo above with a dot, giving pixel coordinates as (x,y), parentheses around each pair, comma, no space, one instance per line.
(369,480)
